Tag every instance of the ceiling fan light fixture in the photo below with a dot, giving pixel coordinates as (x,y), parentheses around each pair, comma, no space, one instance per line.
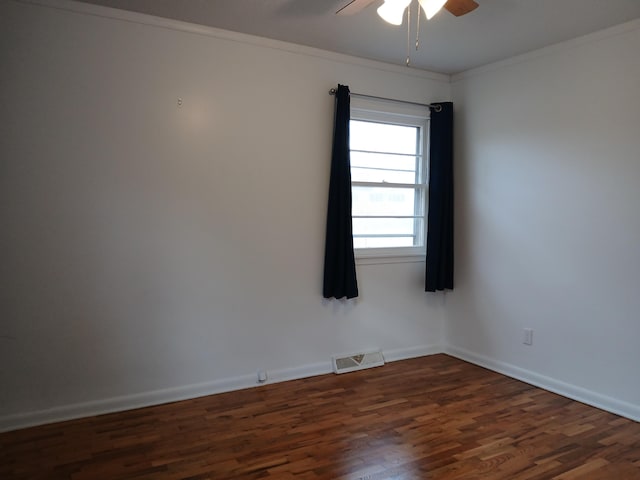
(392,11)
(431,7)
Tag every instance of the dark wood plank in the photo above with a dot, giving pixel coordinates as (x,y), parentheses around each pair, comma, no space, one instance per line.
(428,418)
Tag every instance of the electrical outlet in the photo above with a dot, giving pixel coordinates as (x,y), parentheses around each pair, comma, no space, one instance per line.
(527,338)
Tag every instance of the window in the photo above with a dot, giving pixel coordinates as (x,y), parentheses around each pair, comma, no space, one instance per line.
(388,180)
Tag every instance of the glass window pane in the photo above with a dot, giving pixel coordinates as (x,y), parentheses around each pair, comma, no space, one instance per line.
(360,174)
(382,242)
(381,160)
(384,226)
(374,167)
(383,137)
(382,201)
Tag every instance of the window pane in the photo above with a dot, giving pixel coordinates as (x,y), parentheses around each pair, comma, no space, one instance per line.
(359,174)
(385,226)
(382,242)
(382,137)
(375,167)
(381,160)
(382,201)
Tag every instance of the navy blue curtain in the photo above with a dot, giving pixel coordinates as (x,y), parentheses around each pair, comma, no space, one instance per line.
(339,262)
(439,273)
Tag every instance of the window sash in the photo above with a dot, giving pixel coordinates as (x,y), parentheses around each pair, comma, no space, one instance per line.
(419,187)
(394,115)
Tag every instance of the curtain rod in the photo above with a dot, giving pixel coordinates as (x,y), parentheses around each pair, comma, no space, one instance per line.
(437,108)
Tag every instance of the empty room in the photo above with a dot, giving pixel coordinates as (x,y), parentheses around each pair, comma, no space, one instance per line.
(319,240)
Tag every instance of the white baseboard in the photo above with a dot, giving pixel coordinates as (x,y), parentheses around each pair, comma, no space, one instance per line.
(603,402)
(411,352)
(157,397)
(296,373)
(121,403)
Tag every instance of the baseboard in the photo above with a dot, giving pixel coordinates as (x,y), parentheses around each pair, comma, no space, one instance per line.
(158,397)
(574,392)
(411,352)
(121,403)
(296,373)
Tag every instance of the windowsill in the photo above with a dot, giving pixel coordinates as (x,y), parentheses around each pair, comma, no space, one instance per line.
(363,258)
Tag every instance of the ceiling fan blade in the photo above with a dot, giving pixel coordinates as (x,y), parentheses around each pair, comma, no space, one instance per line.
(461,7)
(354,6)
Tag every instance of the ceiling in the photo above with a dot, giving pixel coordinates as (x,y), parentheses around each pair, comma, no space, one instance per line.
(498,29)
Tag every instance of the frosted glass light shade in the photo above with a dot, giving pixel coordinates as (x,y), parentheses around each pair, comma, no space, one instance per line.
(431,7)
(392,11)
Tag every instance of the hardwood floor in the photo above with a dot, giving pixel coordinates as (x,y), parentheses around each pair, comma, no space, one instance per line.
(428,418)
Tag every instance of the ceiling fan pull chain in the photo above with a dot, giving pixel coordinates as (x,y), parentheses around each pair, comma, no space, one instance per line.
(418,29)
(408,34)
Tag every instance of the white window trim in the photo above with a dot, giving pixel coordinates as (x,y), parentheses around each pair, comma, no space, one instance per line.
(385,258)
(398,114)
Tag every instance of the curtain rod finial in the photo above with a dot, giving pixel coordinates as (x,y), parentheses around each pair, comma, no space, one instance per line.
(333,91)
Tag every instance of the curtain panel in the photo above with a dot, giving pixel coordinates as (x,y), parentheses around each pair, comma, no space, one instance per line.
(439,263)
(339,260)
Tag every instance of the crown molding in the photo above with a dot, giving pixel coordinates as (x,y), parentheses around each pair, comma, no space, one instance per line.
(218,33)
(556,48)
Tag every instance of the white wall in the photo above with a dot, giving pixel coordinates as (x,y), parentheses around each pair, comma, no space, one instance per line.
(548,227)
(151,251)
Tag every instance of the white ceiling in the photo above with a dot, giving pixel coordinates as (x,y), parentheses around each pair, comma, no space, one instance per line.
(497,29)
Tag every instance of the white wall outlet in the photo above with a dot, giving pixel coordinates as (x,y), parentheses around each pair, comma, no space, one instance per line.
(527,338)
(262,376)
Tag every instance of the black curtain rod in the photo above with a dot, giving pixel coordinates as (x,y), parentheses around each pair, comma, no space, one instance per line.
(437,108)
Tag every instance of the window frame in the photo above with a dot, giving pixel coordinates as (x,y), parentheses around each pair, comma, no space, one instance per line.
(403,115)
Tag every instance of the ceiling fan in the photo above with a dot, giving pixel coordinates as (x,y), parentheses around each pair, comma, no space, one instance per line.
(392,11)
(431,7)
